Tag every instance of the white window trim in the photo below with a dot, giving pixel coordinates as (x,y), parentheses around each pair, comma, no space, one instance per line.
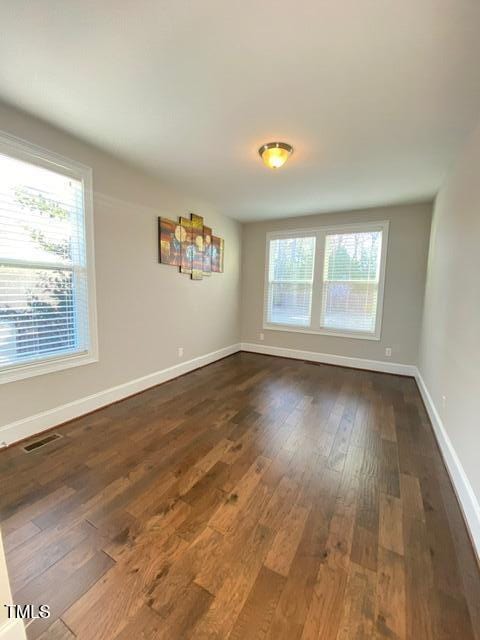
(320,235)
(23,150)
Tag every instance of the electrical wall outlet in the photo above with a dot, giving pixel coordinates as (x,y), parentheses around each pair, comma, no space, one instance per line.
(444,401)
(388,352)
(180,352)
(262,336)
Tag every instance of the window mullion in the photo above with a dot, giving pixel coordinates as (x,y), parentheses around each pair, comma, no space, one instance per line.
(317,286)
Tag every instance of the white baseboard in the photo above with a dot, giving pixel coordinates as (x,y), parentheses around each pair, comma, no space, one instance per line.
(328,358)
(32,425)
(12,630)
(464,490)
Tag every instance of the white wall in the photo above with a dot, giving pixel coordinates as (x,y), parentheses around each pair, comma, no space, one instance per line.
(10,629)
(145,310)
(404,285)
(449,359)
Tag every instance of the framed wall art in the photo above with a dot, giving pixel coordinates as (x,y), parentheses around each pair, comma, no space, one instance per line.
(191,246)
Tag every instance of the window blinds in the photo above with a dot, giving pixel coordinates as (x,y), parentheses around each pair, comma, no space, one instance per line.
(290,281)
(351,276)
(43,279)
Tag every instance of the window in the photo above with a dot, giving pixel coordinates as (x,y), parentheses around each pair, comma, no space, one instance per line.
(351,275)
(290,280)
(328,280)
(47,310)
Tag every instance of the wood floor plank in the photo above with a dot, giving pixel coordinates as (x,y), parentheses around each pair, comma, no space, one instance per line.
(144,625)
(391,524)
(233,593)
(104,610)
(169,586)
(20,535)
(181,621)
(224,517)
(257,497)
(284,546)
(72,588)
(236,546)
(57,631)
(412,502)
(257,612)
(42,551)
(421,609)
(390,617)
(294,603)
(359,605)
(325,612)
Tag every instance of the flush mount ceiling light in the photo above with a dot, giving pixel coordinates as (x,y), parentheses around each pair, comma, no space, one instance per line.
(275,154)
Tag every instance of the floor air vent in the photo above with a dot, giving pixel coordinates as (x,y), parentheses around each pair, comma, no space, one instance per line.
(41,443)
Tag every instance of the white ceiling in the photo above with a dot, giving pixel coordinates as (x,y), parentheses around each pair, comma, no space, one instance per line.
(375,95)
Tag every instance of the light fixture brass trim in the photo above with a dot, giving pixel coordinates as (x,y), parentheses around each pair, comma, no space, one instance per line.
(275,145)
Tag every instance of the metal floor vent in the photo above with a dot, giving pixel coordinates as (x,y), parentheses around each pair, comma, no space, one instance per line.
(41,443)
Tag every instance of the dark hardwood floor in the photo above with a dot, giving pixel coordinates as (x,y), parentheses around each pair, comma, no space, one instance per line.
(258,497)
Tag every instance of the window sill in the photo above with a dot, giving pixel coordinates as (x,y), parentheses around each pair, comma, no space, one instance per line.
(50,365)
(323,332)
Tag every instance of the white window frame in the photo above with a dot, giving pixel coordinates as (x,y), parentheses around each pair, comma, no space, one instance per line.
(36,155)
(320,234)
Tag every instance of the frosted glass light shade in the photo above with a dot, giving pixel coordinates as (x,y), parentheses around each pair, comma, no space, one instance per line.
(275,154)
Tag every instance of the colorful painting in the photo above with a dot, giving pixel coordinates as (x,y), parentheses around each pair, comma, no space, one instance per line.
(207,251)
(186,245)
(190,245)
(197,247)
(217,254)
(170,242)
